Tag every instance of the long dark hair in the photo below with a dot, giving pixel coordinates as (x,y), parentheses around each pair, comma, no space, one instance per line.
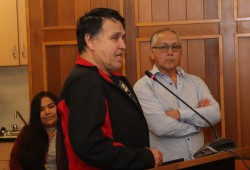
(34,146)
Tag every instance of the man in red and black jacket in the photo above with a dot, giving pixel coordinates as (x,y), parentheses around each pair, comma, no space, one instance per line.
(101,119)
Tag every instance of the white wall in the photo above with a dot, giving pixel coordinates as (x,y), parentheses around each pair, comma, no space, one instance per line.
(14,95)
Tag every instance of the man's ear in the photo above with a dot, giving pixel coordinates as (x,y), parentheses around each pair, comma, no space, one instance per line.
(90,41)
(151,53)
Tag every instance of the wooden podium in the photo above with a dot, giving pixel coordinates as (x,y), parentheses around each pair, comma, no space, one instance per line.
(219,161)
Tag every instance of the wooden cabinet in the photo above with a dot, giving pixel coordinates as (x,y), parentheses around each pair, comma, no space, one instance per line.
(13,42)
(4,165)
(5,148)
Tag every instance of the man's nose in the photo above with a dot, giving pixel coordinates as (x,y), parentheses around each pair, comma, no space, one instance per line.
(123,45)
(169,51)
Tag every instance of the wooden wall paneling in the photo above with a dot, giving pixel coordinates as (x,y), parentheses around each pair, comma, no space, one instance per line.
(98,3)
(227,30)
(60,34)
(58,59)
(212,9)
(160,11)
(243,27)
(241,10)
(196,58)
(131,34)
(177,10)
(238,111)
(116,4)
(184,57)
(35,51)
(244,60)
(184,30)
(242,42)
(196,13)
(52,69)
(68,55)
(143,59)
(66,13)
(213,79)
(49,13)
(80,8)
(140,7)
(212,66)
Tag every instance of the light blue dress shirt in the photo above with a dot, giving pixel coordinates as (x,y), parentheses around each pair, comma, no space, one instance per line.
(176,139)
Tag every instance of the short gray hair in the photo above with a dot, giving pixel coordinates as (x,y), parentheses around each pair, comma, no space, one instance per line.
(155,35)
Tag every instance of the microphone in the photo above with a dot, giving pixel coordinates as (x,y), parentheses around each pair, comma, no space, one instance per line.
(215,146)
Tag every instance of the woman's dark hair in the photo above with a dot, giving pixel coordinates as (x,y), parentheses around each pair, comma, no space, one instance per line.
(91,23)
(34,147)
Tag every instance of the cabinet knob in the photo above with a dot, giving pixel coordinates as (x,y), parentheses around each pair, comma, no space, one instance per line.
(23,50)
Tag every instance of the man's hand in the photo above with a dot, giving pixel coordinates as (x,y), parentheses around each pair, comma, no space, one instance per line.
(158,156)
(204,102)
(175,114)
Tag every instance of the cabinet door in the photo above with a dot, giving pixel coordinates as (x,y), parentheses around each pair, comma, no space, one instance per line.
(21,13)
(4,165)
(9,54)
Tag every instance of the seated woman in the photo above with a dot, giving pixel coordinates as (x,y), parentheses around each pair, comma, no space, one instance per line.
(35,147)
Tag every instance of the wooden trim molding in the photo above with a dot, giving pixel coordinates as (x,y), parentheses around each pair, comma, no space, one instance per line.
(238,101)
(221,77)
(236,18)
(44,45)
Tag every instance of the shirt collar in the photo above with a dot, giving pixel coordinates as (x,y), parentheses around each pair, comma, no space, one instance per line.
(86,63)
(179,71)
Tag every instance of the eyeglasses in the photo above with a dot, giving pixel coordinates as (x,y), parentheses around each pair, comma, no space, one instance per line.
(165,48)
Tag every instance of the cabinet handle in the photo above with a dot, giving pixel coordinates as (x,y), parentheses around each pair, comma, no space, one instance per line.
(14,51)
(23,50)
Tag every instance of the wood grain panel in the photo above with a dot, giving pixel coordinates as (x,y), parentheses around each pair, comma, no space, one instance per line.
(212,66)
(188,29)
(35,50)
(173,12)
(68,55)
(144,5)
(184,57)
(243,93)
(80,8)
(160,10)
(58,60)
(49,10)
(144,61)
(98,3)
(243,8)
(66,13)
(196,58)
(177,10)
(60,35)
(115,4)
(212,9)
(52,69)
(197,12)
(243,26)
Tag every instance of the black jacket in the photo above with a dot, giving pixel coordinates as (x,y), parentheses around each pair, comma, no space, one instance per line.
(103,126)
